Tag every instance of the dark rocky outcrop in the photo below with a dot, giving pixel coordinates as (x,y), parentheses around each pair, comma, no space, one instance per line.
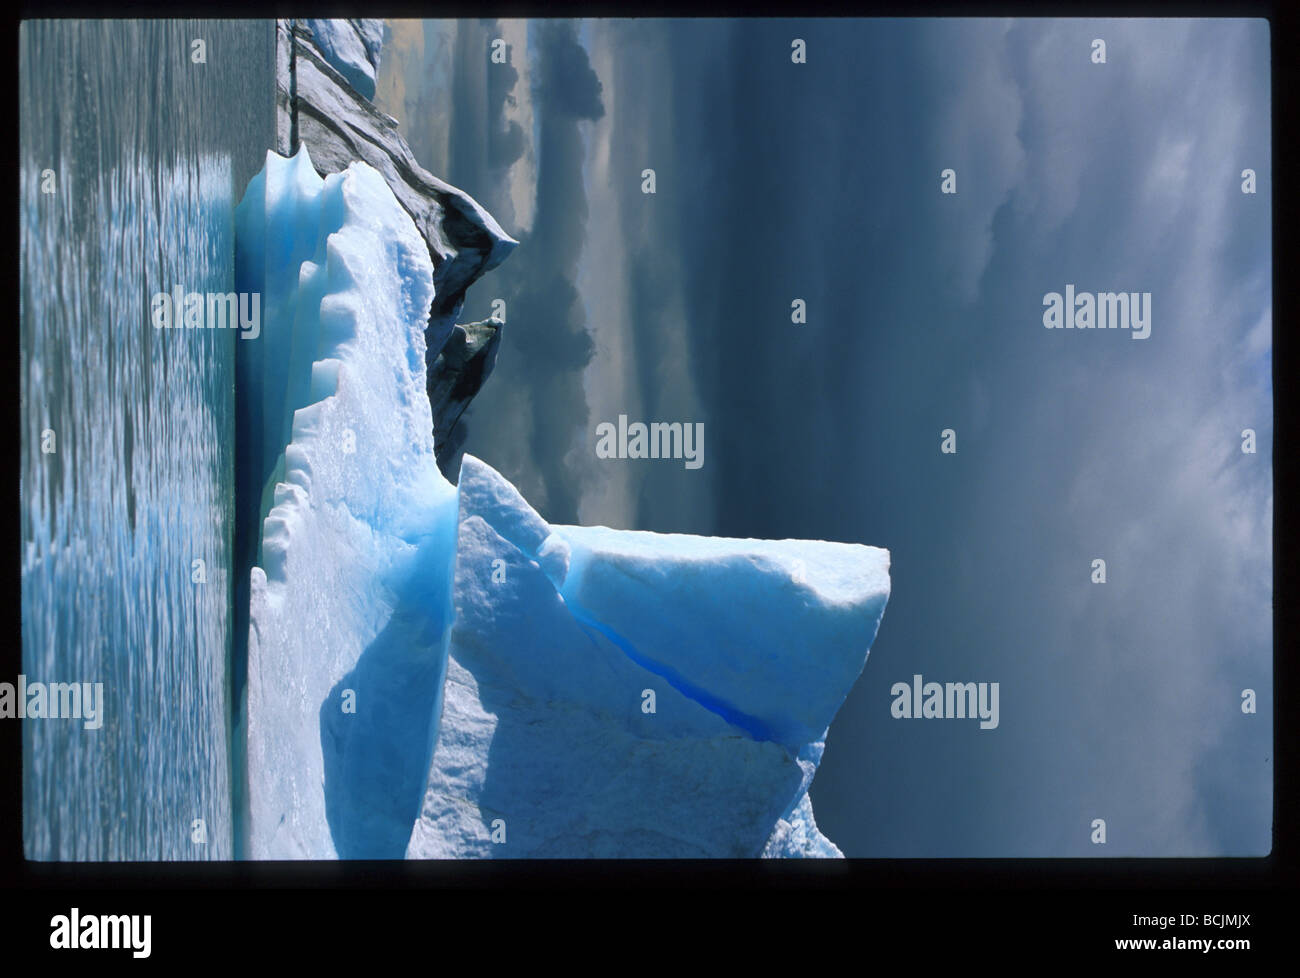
(319,107)
(458,373)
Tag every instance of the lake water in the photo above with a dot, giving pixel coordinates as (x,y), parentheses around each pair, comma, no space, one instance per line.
(128,432)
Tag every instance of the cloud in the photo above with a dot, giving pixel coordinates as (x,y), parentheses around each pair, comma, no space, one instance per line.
(1141,193)
(533,409)
(566,79)
(973,114)
(822,182)
(635,277)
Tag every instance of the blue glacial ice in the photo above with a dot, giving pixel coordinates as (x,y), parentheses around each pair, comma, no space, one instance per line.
(433,670)
(350,591)
(749,647)
(352,48)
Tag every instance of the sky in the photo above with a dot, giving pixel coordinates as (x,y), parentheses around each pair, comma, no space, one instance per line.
(821,181)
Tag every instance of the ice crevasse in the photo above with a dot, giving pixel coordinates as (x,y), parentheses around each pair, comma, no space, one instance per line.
(433,669)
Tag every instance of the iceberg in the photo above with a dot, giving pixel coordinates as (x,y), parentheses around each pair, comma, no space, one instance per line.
(434,671)
(631,694)
(350,597)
